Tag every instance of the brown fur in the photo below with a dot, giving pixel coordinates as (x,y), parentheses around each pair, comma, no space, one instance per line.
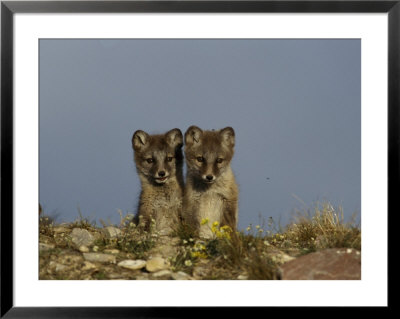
(161,195)
(211,190)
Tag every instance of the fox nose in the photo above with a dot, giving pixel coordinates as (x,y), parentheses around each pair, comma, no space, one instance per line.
(161,173)
(209,177)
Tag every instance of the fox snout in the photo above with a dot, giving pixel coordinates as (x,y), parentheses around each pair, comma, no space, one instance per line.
(208,178)
(161,173)
(161,176)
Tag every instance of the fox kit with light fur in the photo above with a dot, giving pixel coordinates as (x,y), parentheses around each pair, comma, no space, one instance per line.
(159,161)
(211,190)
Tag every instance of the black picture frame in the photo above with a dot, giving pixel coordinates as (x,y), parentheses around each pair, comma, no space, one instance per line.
(9,8)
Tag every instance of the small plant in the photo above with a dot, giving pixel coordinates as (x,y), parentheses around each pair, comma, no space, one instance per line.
(46,226)
(184,231)
(184,260)
(136,239)
(235,252)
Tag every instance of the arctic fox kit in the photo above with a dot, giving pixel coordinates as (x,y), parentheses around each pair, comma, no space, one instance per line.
(211,190)
(159,161)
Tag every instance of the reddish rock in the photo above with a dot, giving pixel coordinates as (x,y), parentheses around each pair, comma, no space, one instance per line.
(329,264)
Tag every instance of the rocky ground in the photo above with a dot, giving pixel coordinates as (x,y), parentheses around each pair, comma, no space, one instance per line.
(83,252)
(85,259)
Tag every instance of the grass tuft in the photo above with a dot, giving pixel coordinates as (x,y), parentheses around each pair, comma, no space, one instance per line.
(323,228)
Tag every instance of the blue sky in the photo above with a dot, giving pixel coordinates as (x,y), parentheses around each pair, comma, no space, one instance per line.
(295,106)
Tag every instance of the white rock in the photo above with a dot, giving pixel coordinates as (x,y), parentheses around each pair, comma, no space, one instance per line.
(180,275)
(132,264)
(156,264)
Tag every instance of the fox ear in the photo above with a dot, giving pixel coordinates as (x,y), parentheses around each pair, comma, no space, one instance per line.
(193,135)
(228,136)
(174,137)
(139,140)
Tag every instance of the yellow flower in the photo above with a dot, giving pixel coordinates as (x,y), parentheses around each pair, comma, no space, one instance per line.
(226,231)
(204,221)
(199,246)
(214,227)
(226,228)
(198,254)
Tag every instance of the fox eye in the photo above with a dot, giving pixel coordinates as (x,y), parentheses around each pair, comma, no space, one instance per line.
(149,160)
(200,159)
(169,158)
(220,160)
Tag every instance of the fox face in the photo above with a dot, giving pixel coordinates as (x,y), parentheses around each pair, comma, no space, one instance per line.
(208,153)
(158,157)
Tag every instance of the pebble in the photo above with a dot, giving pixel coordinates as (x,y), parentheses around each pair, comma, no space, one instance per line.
(83,249)
(81,237)
(132,264)
(87,265)
(156,264)
(112,232)
(57,266)
(102,258)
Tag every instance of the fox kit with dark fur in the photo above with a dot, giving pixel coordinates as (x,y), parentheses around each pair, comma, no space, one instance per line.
(211,190)
(159,161)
